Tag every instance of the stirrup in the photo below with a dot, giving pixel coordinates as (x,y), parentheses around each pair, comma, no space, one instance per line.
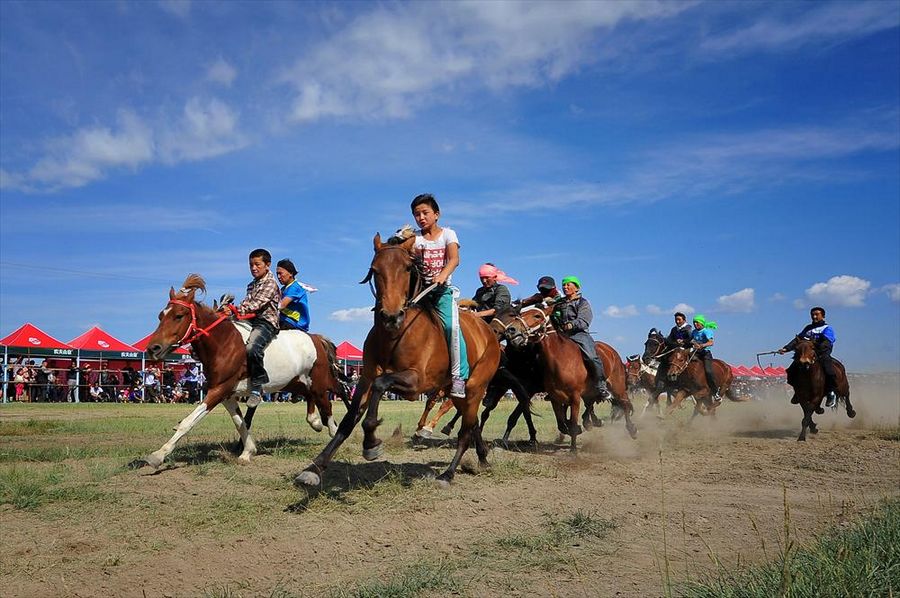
(458,388)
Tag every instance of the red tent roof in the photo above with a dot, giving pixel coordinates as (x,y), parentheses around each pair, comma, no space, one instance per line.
(29,335)
(775,372)
(758,371)
(97,339)
(142,345)
(349,352)
(740,370)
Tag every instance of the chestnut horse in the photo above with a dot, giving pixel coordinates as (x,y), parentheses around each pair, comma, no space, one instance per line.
(805,375)
(294,362)
(565,377)
(688,377)
(406,352)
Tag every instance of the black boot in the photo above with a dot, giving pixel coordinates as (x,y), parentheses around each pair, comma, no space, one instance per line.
(596,368)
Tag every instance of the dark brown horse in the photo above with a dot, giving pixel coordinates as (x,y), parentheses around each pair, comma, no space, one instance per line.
(565,377)
(406,352)
(688,377)
(805,375)
(296,362)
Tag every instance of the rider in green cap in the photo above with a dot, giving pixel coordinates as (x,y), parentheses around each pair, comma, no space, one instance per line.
(573,317)
(702,339)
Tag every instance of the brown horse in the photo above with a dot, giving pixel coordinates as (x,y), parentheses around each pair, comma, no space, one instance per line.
(805,375)
(640,376)
(406,352)
(688,377)
(565,377)
(303,364)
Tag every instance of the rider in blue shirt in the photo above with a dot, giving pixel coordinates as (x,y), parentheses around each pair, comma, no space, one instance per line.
(702,339)
(822,336)
(294,306)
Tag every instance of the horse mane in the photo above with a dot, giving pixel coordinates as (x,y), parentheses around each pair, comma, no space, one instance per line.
(402,235)
(193,282)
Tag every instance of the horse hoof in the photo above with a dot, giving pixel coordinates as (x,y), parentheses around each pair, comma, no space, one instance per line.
(801,439)
(814,430)
(376,452)
(243,459)
(307,479)
(632,431)
(446,430)
(819,410)
(424,432)
(851,413)
(317,426)
(332,429)
(154,460)
(442,483)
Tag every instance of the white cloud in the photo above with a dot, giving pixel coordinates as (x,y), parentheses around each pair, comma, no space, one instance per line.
(844,291)
(892,291)
(353,314)
(777,298)
(815,23)
(656,310)
(739,302)
(391,61)
(206,128)
(614,311)
(221,72)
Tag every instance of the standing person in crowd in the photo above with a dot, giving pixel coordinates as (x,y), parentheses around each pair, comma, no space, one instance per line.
(262,301)
(151,392)
(438,248)
(72,376)
(189,383)
(42,381)
(573,316)
(493,296)
(294,305)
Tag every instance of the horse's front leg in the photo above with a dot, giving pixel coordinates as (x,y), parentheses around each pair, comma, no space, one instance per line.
(627,409)
(676,401)
(404,382)
(807,418)
(311,477)
(249,446)
(574,428)
(213,398)
(312,418)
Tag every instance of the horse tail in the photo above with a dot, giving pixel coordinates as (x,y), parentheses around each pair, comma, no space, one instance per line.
(342,388)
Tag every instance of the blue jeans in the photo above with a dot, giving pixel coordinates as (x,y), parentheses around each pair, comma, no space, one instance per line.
(260,337)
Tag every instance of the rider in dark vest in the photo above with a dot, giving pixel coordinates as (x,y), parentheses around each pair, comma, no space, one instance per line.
(547,291)
(679,336)
(822,336)
(492,297)
(573,316)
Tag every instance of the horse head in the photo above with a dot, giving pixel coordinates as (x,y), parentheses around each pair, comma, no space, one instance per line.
(678,362)
(177,319)
(633,371)
(392,269)
(529,324)
(805,353)
(653,346)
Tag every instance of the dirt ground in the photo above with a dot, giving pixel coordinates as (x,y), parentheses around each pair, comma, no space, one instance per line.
(681,501)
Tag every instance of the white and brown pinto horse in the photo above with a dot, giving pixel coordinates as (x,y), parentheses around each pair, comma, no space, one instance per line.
(296,362)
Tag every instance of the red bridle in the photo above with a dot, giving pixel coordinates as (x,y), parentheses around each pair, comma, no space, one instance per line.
(199,332)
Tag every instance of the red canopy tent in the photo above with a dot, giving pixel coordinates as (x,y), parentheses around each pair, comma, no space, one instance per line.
(349,355)
(28,340)
(775,372)
(741,371)
(96,342)
(758,371)
(179,354)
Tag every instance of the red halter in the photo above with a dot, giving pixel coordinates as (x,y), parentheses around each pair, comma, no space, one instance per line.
(197,331)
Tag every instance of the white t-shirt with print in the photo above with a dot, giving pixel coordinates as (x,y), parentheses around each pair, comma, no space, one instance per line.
(434,253)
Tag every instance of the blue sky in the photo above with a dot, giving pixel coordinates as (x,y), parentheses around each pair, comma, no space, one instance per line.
(740,159)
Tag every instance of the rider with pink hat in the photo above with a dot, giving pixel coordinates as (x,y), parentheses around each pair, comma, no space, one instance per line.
(492,296)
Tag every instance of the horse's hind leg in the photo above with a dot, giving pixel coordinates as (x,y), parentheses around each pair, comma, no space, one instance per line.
(448,429)
(323,404)
(628,410)
(469,409)
(851,412)
(249,446)
(312,418)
